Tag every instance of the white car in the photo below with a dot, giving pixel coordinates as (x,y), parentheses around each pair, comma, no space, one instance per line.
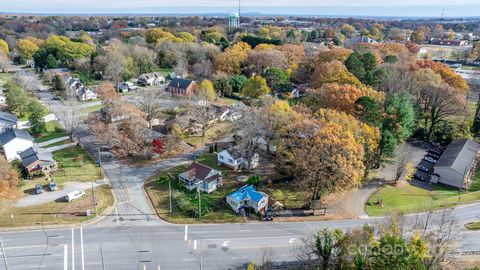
(74,195)
(430,159)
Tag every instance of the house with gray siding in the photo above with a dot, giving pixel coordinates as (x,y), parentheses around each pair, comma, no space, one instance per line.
(456,166)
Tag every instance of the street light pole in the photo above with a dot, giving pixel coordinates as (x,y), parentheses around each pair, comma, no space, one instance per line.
(4,255)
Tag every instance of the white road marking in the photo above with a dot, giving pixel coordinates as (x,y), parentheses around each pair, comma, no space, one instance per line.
(291,240)
(225,243)
(188,260)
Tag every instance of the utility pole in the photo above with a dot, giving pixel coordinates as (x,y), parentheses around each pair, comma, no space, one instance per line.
(199,204)
(170,195)
(4,256)
(93,201)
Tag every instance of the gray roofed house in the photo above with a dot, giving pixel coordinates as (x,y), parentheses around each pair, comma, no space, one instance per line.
(457,164)
(7,120)
(37,159)
(13,133)
(14,141)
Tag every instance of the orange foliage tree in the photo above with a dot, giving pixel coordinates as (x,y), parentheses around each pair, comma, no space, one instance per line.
(321,156)
(335,54)
(447,74)
(332,72)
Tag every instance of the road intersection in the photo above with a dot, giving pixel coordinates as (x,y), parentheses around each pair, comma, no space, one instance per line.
(133,237)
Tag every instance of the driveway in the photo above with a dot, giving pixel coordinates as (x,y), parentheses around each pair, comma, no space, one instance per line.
(351,204)
(50,196)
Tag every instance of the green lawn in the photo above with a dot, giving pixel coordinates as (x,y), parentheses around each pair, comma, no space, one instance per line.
(475,226)
(75,164)
(411,199)
(54,130)
(57,212)
(164,71)
(185,203)
(5,77)
(288,195)
(90,109)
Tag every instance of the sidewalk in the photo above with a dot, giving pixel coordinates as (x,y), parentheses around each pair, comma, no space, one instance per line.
(60,147)
(52,141)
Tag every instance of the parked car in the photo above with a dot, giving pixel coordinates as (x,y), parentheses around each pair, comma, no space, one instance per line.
(267,218)
(430,159)
(436,152)
(74,195)
(420,177)
(433,155)
(52,185)
(38,189)
(423,168)
(127,86)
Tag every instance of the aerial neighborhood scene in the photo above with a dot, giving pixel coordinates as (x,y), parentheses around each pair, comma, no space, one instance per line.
(224,134)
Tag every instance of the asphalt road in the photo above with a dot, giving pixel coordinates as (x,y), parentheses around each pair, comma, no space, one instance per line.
(220,246)
(133,237)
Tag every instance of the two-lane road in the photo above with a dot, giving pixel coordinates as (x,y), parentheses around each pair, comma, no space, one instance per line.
(216,246)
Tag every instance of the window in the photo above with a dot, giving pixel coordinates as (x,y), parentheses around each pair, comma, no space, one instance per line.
(221,157)
(230,160)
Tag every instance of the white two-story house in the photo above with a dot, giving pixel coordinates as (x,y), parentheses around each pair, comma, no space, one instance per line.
(202,177)
(234,159)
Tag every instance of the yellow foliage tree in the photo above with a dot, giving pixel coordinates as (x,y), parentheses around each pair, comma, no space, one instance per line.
(26,48)
(231,60)
(3,47)
(333,72)
(206,90)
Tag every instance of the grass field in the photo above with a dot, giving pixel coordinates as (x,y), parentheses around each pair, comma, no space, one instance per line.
(474,226)
(216,132)
(5,76)
(75,165)
(57,212)
(411,199)
(90,109)
(185,203)
(54,130)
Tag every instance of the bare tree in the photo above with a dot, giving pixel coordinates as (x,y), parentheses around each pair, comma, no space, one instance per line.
(130,137)
(205,117)
(150,104)
(403,157)
(202,69)
(248,131)
(4,63)
(69,118)
(267,256)
(27,81)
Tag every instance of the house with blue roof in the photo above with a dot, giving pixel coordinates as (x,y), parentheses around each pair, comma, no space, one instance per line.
(247,198)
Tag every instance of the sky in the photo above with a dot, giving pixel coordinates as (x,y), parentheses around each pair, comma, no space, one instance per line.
(418,8)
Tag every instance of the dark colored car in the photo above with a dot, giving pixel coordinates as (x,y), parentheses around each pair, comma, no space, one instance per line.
(267,218)
(423,168)
(433,155)
(38,189)
(420,177)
